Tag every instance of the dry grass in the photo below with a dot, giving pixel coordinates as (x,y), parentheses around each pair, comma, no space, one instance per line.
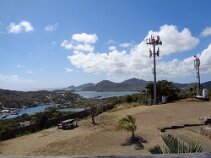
(102,139)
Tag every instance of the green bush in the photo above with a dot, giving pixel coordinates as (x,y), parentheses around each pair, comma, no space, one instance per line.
(164,88)
(129,99)
(175,145)
(41,120)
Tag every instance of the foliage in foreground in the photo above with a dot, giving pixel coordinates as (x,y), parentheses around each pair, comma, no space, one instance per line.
(175,145)
(127,124)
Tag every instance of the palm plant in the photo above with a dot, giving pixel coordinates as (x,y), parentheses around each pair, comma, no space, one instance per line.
(175,145)
(127,124)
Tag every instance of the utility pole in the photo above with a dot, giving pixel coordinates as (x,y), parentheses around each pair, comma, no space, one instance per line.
(154,42)
(196,65)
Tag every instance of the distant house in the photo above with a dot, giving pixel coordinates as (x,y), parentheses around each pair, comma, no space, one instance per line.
(25,123)
(5,111)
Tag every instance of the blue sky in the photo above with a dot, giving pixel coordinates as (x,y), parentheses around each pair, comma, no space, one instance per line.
(52,44)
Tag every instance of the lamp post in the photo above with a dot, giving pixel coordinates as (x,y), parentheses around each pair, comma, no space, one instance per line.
(196,65)
(154,42)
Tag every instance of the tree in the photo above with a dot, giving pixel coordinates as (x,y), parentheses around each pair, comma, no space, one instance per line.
(209,92)
(164,88)
(149,88)
(175,145)
(95,109)
(41,120)
(129,98)
(127,124)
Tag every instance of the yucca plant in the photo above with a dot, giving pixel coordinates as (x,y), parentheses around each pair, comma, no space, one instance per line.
(175,145)
(128,124)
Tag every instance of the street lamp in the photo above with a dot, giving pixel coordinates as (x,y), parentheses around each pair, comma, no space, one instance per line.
(154,42)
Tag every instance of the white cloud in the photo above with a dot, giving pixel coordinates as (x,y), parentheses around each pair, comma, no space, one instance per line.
(173,40)
(111,48)
(14,79)
(85,38)
(51,28)
(68,70)
(23,26)
(113,62)
(120,63)
(66,44)
(111,42)
(205,58)
(136,62)
(80,42)
(125,45)
(206,32)
(83,48)
(77,47)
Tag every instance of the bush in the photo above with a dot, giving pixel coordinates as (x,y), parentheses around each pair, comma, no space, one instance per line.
(129,99)
(175,145)
(164,88)
(41,120)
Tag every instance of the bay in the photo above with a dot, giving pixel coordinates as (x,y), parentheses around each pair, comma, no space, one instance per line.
(39,108)
(85,94)
(101,95)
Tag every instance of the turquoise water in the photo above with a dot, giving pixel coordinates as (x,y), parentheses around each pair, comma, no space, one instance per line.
(101,95)
(40,108)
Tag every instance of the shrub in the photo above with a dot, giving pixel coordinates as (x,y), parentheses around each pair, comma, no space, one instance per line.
(175,145)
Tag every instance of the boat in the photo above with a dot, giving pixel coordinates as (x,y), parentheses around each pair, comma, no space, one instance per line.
(97,97)
(4,116)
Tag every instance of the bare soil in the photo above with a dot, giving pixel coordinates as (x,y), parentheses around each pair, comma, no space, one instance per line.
(103,139)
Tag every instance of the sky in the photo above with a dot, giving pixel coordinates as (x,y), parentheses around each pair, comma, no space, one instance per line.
(57,43)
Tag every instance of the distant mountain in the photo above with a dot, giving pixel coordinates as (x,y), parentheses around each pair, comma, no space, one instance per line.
(132,84)
(83,86)
(207,84)
(135,84)
(180,85)
(104,85)
(70,88)
(189,85)
(127,85)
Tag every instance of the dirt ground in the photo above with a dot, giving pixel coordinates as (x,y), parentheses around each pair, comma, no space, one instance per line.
(103,139)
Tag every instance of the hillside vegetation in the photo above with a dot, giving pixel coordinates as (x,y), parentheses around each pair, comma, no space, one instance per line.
(18,99)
